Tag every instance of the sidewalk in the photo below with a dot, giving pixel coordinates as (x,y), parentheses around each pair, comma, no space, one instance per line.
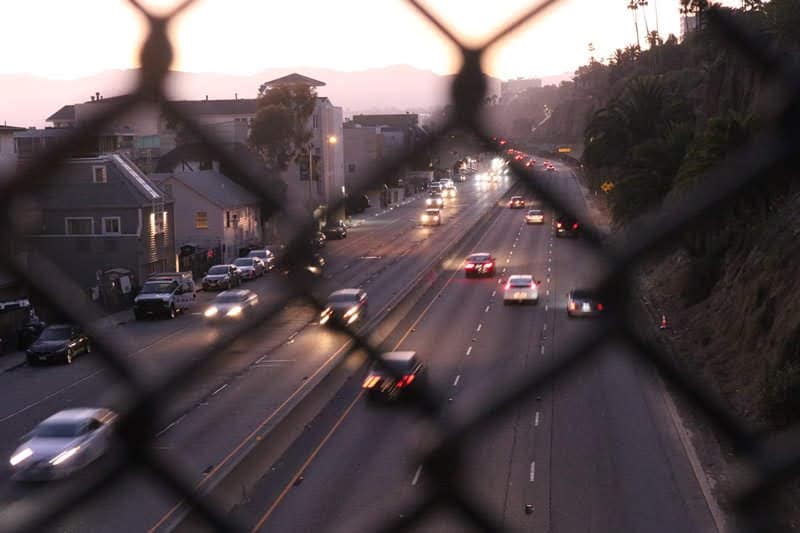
(11,360)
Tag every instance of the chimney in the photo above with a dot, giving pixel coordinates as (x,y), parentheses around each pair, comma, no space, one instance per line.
(97,95)
(206,98)
(92,98)
(235,96)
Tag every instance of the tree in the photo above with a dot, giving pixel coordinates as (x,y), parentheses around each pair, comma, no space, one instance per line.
(280,131)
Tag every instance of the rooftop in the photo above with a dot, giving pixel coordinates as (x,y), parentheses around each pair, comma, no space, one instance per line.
(213,185)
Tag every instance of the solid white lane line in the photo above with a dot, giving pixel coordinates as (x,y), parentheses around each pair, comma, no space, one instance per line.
(416,475)
(486,310)
(469,350)
(455,383)
(533,471)
(536,420)
(219,389)
(479,327)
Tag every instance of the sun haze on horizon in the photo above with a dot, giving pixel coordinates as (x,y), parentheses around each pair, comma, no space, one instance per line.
(242,37)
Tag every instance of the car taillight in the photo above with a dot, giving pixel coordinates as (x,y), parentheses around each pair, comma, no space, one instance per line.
(489,264)
(558,224)
(370,382)
(572,306)
(575,226)
(470,265)
(599,307)
(532,284)
(405,381)
(508,285)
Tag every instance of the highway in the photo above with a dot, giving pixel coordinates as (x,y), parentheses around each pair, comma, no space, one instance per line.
(594,452)
(205,428)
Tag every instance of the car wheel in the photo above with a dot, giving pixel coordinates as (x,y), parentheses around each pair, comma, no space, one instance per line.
(31,361)
(138,316)
(68,357)
(171,313)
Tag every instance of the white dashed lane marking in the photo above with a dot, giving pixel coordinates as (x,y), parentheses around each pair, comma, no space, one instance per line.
(493,293)
(533,471)
(455,382)
(541,350)
(536,420)
(219,389)
(479,327)
(486,310)
(416,475)
(469,350)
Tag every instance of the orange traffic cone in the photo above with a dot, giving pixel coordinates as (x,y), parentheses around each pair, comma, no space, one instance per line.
(663,322)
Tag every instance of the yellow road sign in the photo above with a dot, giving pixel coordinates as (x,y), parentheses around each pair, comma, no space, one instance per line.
(607,187)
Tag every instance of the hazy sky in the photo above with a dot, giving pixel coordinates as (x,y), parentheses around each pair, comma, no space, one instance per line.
(75,38)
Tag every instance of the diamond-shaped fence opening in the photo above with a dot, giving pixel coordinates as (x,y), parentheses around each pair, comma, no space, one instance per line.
(138,397)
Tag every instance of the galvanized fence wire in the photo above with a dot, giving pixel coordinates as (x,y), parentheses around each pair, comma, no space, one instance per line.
(774,465)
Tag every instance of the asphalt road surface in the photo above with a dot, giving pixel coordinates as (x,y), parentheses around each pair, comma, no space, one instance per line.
(594,452)
(203,428)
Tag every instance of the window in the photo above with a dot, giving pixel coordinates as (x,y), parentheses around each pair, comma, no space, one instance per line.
(206,165)
(315,121)
(79,225)
(227,219)
(201,220)
(159,221)
(111,225)
(99,174)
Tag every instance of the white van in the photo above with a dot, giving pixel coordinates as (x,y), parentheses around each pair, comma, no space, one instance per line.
(165,294)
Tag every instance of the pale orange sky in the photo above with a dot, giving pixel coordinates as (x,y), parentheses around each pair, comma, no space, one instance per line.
(71,39)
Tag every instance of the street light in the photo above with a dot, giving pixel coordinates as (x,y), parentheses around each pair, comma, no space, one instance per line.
(332,139)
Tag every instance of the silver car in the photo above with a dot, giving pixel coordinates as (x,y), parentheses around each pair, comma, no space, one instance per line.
(63,443)
(231,304)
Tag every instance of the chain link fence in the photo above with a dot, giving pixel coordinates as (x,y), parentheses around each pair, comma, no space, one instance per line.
(774,464)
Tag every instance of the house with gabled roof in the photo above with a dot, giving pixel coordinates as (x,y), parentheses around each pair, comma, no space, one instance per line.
(97,216)
(212,214)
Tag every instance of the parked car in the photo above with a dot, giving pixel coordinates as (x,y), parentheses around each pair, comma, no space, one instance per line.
(357,204)
(249,267)
(165,294)
(267,256)
(63,443)
(231,304)
(319,238)
(58,342)
(317,264)
(348,305)
(222,277)
(396,375)
(335,230)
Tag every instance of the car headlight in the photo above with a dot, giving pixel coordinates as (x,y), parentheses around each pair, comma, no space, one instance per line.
(20,456)
(63,456)
(350,312)
(325,315)
(211,311)
(235,311)
(428,201)
(436,219)
(424,218)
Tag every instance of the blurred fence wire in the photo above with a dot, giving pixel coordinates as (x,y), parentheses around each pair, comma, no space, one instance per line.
(774,466)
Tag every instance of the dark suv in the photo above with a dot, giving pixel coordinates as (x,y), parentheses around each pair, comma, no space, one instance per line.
(335,230)
(567,227)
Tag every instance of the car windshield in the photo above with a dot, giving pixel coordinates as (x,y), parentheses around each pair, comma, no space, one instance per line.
(258,253)
(534,212)
(432,212)
(55,430)
(229,298)
(520,282)
(243,262)
(479,257)
(516,198)
(342,298)
(158,287)
(55,333)
(218,270)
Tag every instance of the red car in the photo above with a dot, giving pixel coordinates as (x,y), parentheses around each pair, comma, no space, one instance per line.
(479,264)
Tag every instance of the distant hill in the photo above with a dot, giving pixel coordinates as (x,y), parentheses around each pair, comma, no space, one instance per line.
(28,100)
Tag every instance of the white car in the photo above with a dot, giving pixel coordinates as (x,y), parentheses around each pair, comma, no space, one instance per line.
(431,217)
(63,443)
(231,304)
(534,216)
(521,288)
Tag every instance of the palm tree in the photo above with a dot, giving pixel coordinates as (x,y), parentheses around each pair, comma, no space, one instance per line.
(643,5)
(633,5)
